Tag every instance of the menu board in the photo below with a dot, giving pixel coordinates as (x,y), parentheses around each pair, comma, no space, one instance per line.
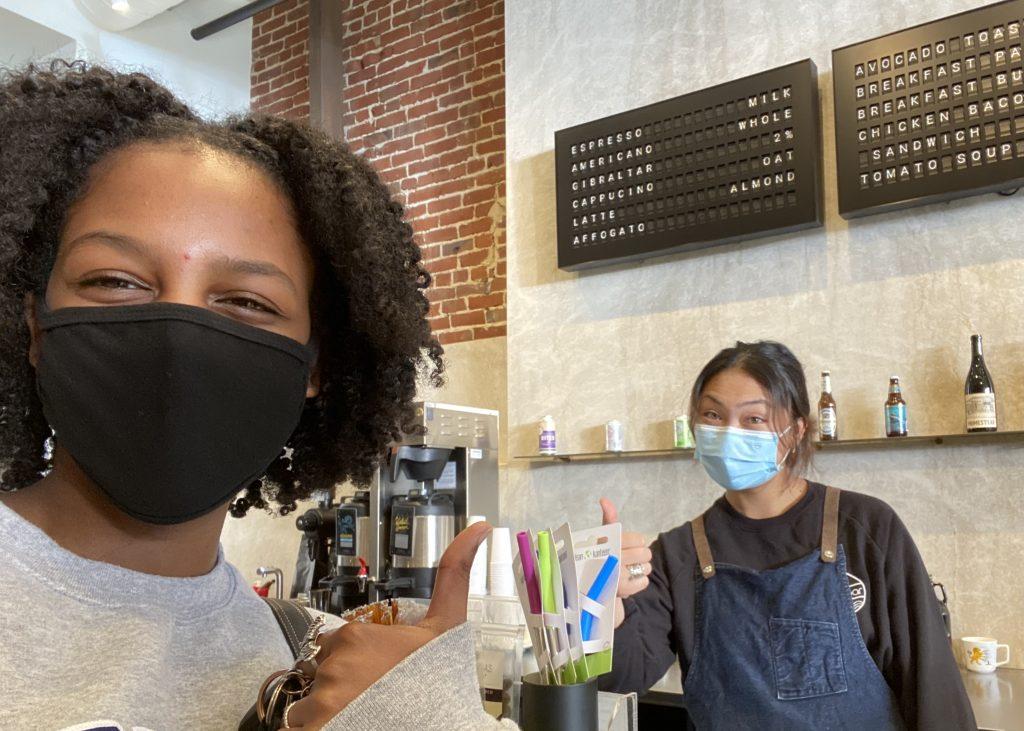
(734,161)
(932,112)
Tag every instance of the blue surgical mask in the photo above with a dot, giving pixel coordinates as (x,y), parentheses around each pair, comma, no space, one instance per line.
(738,459)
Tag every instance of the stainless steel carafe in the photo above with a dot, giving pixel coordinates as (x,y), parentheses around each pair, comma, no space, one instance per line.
(422,527)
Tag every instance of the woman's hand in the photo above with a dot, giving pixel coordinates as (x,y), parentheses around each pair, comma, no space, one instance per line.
(635,552)
(355,656)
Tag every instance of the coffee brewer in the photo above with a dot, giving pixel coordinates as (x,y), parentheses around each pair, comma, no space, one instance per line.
(424,493)
(386,541)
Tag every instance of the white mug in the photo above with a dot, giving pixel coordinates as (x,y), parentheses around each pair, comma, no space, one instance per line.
(981,654)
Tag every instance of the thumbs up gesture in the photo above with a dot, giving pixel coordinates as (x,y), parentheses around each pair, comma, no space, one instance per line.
(355,656)
(635,552)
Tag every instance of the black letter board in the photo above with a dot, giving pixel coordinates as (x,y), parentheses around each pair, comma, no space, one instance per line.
(932,112)
(734,161)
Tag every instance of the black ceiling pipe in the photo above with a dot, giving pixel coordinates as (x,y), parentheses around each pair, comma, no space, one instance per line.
(235,16)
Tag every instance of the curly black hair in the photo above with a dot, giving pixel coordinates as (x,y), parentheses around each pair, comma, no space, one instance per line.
(368,307)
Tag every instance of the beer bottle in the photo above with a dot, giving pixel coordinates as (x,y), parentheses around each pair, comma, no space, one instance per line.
(828,427)
(895,410)
(979,392)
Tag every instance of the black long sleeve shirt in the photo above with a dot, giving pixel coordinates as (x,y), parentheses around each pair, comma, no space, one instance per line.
(897,610)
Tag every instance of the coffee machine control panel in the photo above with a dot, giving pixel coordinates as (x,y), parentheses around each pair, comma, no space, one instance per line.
(402,518)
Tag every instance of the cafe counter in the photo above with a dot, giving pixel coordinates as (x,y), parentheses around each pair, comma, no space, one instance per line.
(997,698)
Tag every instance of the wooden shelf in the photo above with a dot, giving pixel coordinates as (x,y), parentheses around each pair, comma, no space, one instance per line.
(950,440)
(599,456)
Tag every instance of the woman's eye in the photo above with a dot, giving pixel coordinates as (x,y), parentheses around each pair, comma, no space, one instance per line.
(710,414)
(247,303)
(757,420)
(109,282)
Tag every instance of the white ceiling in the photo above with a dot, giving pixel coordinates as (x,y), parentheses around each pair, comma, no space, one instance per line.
(100,14)
(23,40)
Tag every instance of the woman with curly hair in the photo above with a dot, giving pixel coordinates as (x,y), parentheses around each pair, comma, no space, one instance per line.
(198,318)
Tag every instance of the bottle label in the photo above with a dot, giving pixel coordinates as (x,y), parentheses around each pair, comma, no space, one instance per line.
(981,411)
(896,419)
(827,421)
(681,432)
(547,442)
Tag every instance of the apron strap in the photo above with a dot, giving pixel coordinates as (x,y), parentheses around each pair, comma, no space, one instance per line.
(700,542)
(830,525)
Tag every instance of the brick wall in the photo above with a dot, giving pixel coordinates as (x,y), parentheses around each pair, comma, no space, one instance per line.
(280,60)
(424,101)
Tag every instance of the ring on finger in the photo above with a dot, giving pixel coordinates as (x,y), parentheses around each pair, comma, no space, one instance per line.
(636,571)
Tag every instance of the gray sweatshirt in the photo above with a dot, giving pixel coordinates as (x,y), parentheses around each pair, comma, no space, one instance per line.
(88,646)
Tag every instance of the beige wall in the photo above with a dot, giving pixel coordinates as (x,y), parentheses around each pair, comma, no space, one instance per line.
(476,377)
(898,293)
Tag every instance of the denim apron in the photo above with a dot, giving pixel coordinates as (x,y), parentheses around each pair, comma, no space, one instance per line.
(781,649)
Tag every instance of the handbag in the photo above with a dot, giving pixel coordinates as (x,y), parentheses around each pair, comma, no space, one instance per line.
(284,687)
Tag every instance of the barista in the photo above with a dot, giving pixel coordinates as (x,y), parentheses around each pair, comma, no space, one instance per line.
(788,604)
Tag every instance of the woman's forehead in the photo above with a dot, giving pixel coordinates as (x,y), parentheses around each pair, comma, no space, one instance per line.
(187,199)
(734,385)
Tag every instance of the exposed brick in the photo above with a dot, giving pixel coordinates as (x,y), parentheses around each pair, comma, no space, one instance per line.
(444,204)
(457,97)
(454,247)
(439,294)
(493,331)
(464,319)
(478,196)
(455,305)
(468,259)
(456,40)
(443,58)
(430,193)
(441,146)
(440,234)
(442,322)
(423,99)
(465,290)
(412,155)
(419,52)
(451,336)
(456,9)
(421,109)
(457,216)
(476,226)
(488,86)
(431,135)
(262,30)
(487,55)
(389,120)
(453,158)
(442,264)
(484,301)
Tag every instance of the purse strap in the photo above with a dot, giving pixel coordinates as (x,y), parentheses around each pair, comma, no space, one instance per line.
(294,621)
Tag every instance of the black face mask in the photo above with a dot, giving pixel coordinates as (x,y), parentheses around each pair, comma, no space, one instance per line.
(169,409)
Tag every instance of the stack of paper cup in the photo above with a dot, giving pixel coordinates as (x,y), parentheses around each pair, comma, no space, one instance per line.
(478,574)
(502,583)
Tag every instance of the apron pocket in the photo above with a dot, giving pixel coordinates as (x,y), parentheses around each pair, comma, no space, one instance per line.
(808,658)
